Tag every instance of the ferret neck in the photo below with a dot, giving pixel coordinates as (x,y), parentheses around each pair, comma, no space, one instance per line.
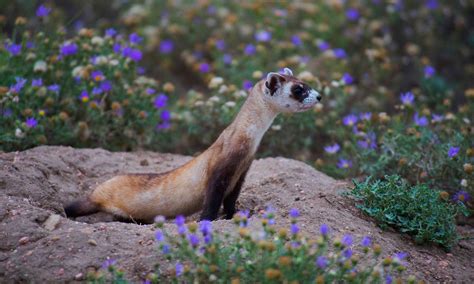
(255,116)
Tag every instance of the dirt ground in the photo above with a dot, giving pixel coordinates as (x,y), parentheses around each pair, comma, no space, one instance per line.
(37,244)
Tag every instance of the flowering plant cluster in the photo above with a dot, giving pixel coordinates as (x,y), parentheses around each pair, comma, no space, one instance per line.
(270,254)
(418,210)
(85,90)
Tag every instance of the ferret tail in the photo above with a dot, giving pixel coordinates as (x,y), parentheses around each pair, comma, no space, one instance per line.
(81,207)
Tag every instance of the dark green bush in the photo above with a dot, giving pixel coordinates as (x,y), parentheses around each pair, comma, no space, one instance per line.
(417,210)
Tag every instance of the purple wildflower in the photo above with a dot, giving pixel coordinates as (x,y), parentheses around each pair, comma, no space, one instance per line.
(106,86)
(165,115)
(366,116)
(19,84)
(294,213)
(220,44)
(37,82)
(54,88)
(431,4)
(179,221)
(182,230)
(193,240)
(227,59)
(347,79)
(461,196)
(165,249)
(110,32)
(350,120)
(420,120)
(42,11)
(366,241)
(294,229)
(296,40)
(205,227)
(140,70)
(347,240)
(246,85)
(344,163)
(323,45)
(97,75)
(160,220)
(388,279)
(263,36)
(160,101)
(347,253)
(31,122)
(117,48)
(207,239)
(204,68)
(429,71)
(132,53)
(400,256)
(250,49)
(13,49)
(134,38)
(30,45)
(96,91)
(352,14)
(108,262)
(84,96)
(150,91)
(332,149)
(179,269)
(322,262)
(324,230)
(437,118)
(340,53)
(166,46)
(159,236)
(407,98)
(453,151)
(67,49)
(163,125)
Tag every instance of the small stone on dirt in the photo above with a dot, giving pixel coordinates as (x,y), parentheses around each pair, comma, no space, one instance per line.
(92,242)
(24,241)
(144,163)
(52,221)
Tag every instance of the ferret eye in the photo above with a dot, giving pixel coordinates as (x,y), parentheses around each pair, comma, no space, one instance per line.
(297,91)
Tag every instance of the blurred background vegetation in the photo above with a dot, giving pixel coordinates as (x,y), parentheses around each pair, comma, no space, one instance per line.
(169,76)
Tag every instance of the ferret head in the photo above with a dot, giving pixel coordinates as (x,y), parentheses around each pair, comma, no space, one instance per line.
(287,93)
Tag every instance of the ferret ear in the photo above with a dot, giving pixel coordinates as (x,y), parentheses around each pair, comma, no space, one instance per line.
(273,82)
(287,71)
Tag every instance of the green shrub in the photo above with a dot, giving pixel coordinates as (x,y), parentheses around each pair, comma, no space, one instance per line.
(416,210)
(266,255)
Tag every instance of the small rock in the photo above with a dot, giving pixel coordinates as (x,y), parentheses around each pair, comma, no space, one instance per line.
(61,271)
(144,163)
(78,276)
(92,242)
(52,221)
(55,238)
(24,241)
(297,199)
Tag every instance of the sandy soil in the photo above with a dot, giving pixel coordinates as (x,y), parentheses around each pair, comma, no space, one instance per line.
(37,244)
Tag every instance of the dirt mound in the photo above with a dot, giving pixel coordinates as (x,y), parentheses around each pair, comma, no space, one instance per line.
(37,244)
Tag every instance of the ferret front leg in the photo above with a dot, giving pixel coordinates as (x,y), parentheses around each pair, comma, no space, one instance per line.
(231,199)
(214,195)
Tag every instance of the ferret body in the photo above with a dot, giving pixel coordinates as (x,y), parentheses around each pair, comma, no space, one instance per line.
(213,178)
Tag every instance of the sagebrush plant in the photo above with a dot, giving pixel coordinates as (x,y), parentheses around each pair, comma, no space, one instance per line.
(266,254)
(418,210)
(86,90)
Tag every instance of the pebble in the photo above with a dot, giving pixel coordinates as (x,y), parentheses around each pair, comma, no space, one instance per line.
(78,276)
(24,241)
(144,163)
(92,242)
